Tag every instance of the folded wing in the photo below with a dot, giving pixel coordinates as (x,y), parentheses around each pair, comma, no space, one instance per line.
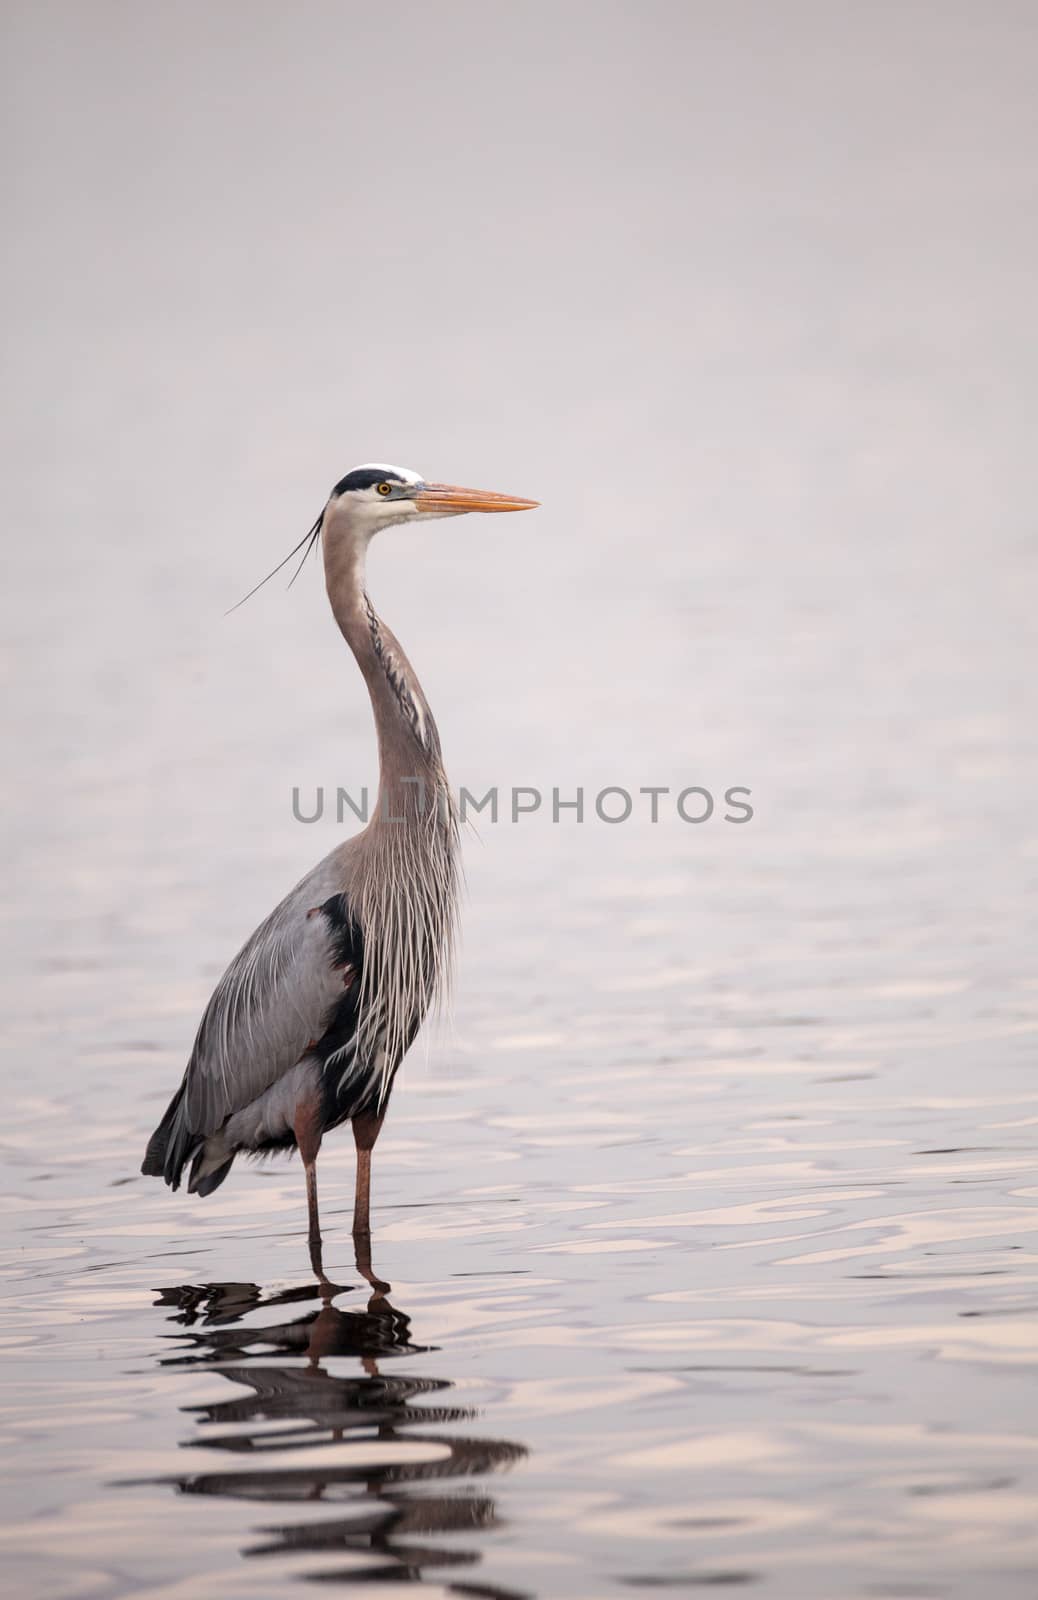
(275,999)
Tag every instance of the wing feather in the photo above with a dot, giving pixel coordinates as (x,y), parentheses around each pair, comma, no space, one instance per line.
(274,999)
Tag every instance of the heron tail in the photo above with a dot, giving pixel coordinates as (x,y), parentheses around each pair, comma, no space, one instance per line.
(170,1144)
(212,1163)
(204,1181)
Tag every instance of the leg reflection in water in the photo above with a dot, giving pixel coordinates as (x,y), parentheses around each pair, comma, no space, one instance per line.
(407,1486)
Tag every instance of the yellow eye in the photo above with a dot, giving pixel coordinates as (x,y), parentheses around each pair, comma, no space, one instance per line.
(384,489)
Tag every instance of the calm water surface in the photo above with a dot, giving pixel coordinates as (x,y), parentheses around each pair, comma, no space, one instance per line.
(702,1274)
(710,1214)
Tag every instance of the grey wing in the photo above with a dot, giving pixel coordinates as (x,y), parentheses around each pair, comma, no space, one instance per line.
(268,1007)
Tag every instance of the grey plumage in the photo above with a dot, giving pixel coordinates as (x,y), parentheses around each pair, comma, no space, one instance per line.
(270,1006)
(308,1026)
(256,1053)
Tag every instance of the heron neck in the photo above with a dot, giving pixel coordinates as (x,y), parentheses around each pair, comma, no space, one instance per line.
(410,764)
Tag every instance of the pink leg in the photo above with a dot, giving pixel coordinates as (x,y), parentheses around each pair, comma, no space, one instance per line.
(366,1130)
(308,1137)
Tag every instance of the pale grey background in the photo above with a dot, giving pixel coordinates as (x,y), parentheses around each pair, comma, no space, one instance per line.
(744,293)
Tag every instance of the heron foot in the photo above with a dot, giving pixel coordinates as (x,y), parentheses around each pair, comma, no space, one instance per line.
(330,1290)
(362,1255)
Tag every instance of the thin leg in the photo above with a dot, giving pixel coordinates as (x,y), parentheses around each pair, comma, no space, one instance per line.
(362,1197)
(308,1137)
(366,1130)
(310,1168)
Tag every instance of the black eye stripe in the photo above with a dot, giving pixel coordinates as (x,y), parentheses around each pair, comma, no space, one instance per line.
(364,478)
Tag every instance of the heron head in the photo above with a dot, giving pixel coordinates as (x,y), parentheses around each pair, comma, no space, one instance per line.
(373,497)
(376,496)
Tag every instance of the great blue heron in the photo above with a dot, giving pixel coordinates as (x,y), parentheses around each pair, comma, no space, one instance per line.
(309,1024)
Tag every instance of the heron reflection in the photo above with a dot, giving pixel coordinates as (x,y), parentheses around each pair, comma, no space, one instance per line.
(406,1487)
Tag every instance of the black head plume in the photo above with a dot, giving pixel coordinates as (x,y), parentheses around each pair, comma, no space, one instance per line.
(309,539)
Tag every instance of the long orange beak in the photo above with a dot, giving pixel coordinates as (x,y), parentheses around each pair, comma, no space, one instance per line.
(448,497)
